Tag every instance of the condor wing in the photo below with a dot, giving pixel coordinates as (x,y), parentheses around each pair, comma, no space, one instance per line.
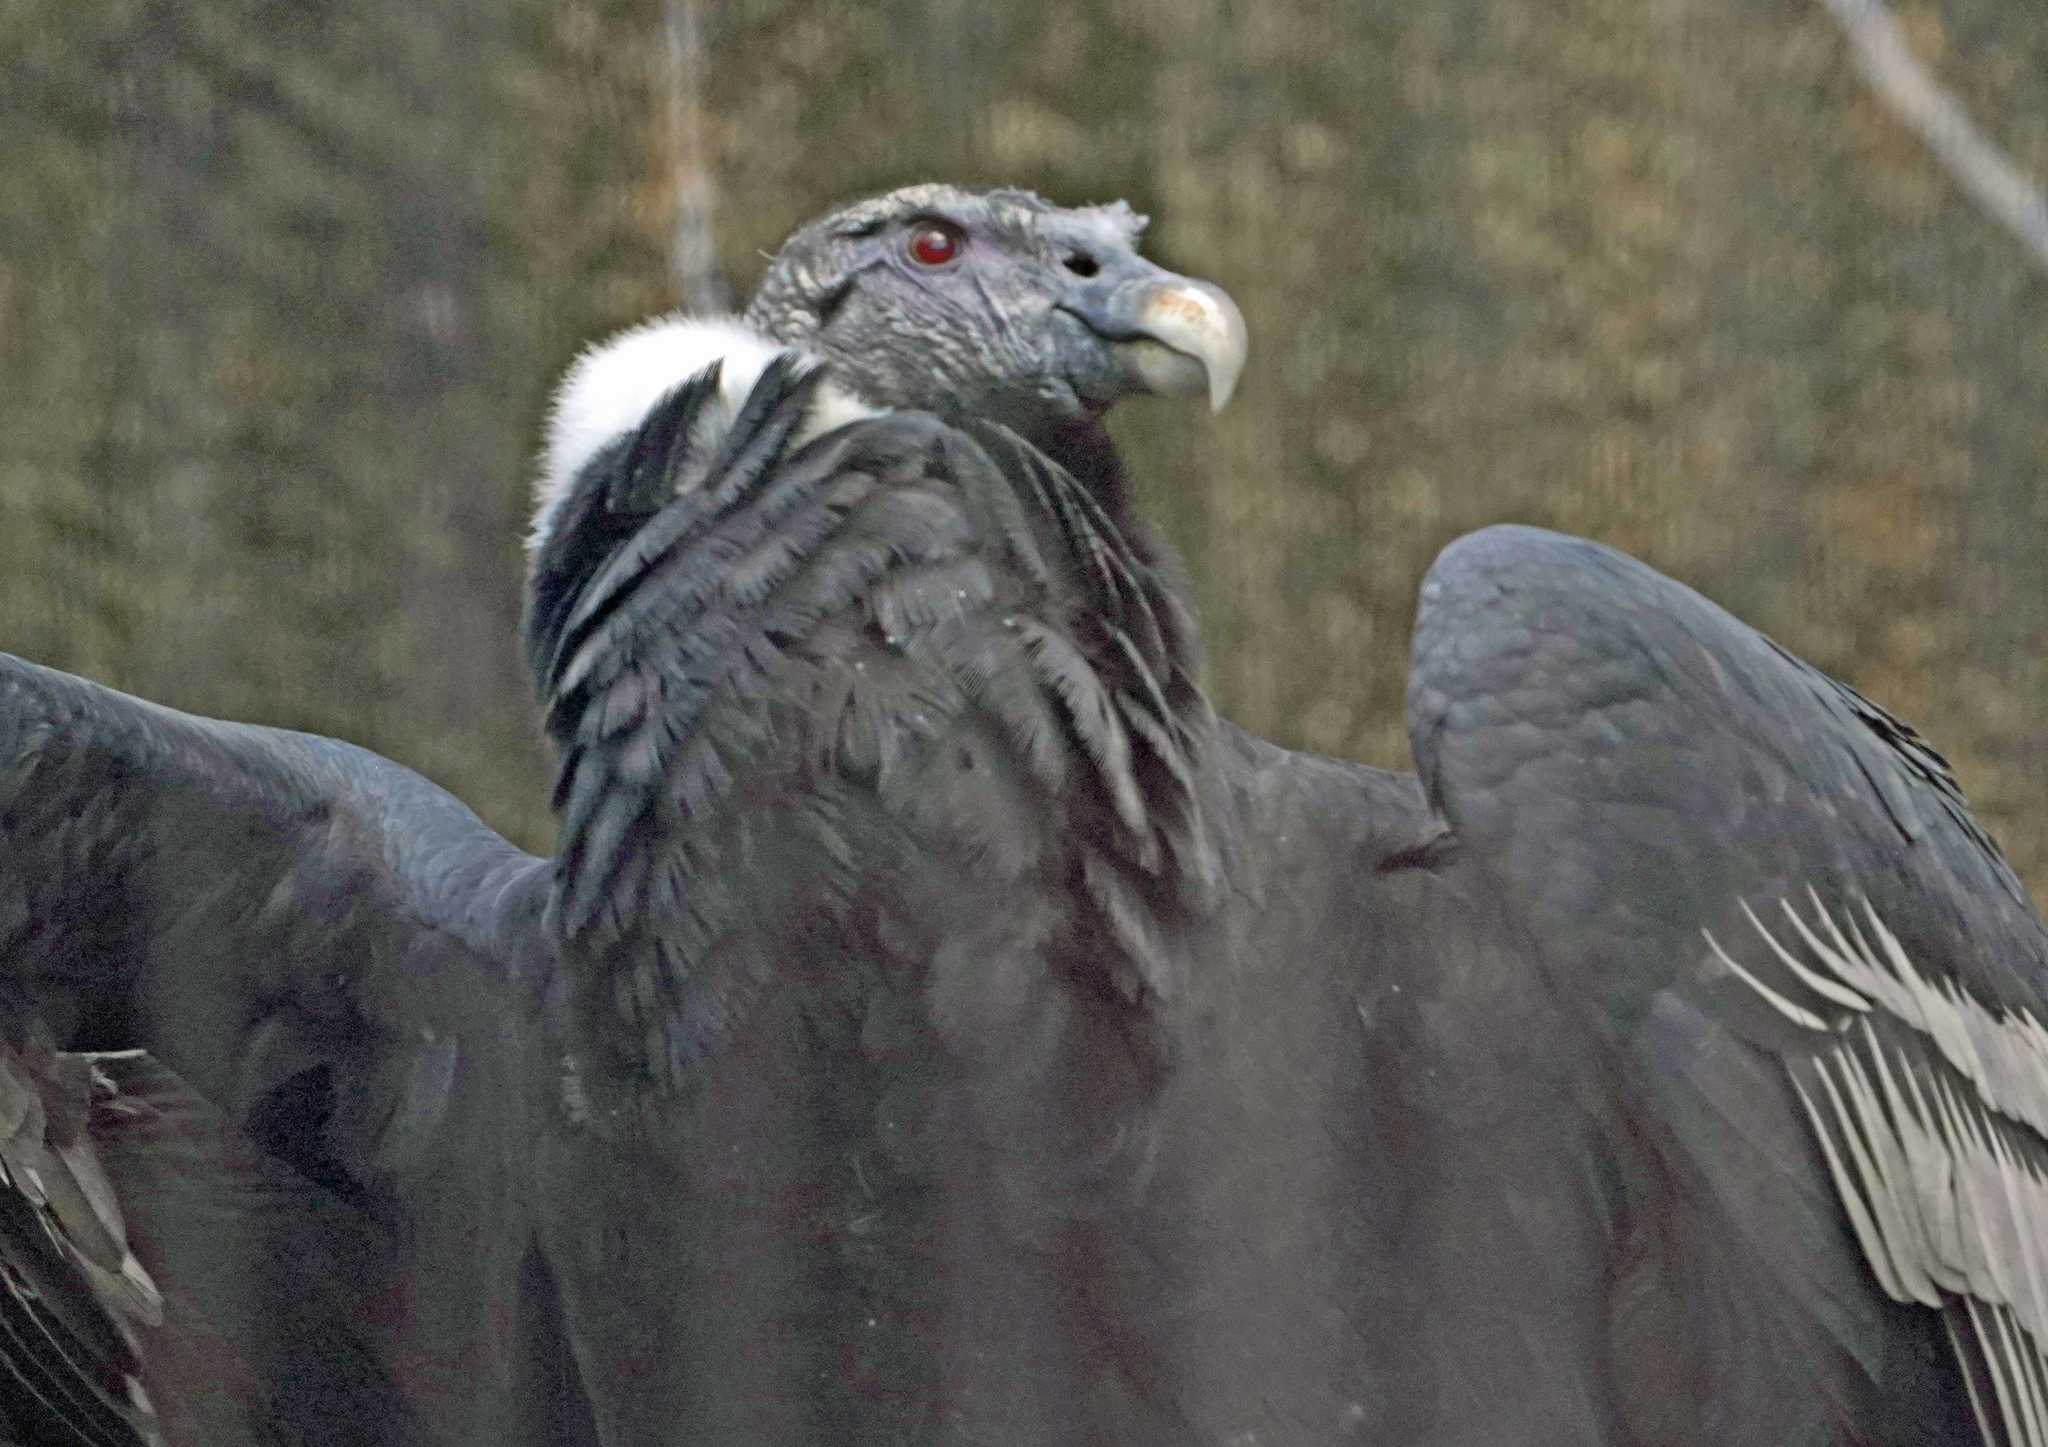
(1821,993)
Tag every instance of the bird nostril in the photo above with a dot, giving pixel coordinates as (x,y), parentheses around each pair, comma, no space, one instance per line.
(1082,264)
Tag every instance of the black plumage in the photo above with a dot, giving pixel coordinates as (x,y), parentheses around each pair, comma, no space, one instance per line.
(936,1025)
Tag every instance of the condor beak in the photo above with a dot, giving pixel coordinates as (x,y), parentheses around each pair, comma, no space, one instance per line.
(1170,335)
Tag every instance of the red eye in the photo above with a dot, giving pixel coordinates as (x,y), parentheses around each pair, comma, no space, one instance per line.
(935,244)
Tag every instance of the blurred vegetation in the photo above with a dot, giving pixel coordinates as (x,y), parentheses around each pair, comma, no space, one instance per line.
(284,287)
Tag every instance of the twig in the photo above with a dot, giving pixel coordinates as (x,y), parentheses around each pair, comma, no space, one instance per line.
(693,250)
(1974,163)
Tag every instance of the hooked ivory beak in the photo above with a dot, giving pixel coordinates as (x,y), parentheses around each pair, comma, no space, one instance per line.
(1187,337)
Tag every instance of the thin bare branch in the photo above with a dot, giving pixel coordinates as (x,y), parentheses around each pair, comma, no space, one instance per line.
(1974,163)
(693,251)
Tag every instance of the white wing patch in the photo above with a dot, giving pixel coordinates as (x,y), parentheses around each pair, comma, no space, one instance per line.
(75,1205)
(1940,1156)
(2004,1053)
(614,384)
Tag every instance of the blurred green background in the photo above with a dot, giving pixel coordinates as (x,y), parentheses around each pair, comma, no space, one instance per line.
(284,286)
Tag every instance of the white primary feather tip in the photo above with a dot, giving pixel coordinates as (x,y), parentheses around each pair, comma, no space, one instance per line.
(614,384)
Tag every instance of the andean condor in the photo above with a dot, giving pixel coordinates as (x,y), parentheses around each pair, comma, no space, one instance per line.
(937,1026)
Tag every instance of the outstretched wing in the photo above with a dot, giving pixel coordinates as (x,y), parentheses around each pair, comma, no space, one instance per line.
(316,949)
(1821,990)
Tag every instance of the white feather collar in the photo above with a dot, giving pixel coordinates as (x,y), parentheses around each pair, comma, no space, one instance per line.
(612,385)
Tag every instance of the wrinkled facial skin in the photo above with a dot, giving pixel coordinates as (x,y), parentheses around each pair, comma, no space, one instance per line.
(995,330)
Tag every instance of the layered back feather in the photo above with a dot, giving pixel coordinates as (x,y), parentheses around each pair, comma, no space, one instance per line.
(790,665)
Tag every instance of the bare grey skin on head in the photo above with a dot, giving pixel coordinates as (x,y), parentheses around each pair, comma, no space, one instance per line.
(997,305)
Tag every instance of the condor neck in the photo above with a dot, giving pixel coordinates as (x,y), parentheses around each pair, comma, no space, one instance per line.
(1082,445)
